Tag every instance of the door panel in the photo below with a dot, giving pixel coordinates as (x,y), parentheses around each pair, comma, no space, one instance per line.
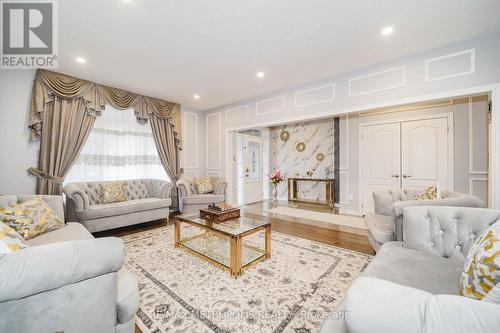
(380,160)
(252,170)
(424,146)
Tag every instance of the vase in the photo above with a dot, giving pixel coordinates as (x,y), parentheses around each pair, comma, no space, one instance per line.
(275,193)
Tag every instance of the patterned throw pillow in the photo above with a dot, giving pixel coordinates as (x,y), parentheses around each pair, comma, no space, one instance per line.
(10,241)
(431,193)
(31,218)
(481,272)
(204,185)
(113,192)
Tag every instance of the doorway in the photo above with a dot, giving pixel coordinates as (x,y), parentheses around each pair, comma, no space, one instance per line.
(413,153)
(250,162)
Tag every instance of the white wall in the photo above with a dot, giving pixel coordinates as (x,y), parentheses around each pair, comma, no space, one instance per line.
(459,67)
(17,153)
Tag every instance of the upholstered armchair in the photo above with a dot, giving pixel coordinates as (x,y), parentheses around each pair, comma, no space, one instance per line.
(385,224)
(191,201)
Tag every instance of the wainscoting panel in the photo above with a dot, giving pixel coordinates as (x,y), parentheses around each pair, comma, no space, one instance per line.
(384,80)
(214,140)
(270,105)
(479,187)
(190,139)
(315,95)
(451,65)
(240,112)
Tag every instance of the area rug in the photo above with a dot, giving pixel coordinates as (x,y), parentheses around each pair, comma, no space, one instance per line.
(339,219)
(293,291)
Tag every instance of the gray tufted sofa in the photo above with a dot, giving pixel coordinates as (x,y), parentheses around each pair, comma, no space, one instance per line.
(191,201)
(66,280)
(386,224)
(413,286)
(148,200)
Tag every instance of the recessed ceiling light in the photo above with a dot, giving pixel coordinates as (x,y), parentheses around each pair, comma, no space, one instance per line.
(387,31)
(260,75)
(196,96)
(81,60)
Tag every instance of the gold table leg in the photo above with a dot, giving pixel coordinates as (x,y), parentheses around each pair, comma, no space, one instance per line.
(177,233)
(236,251)
(268,242)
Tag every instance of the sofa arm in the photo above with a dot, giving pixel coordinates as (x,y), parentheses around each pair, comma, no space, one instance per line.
(80,200)
(183,188)
(380,306)
(160,189)
(220,187)
(46,267)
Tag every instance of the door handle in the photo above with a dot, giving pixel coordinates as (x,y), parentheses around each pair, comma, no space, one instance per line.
(395,176)
(406,176)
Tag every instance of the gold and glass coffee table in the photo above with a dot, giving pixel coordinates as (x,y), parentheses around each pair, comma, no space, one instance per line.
(233,245)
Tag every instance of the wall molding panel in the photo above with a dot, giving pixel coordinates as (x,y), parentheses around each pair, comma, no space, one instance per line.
(451,65)
(271,105)
(388,79)
(214,141)
(321,94)
(240,112)
(190,141)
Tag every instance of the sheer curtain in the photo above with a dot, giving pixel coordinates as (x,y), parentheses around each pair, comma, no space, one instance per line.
(118,148)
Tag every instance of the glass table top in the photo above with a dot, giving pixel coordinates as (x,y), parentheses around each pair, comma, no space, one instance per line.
(233,227)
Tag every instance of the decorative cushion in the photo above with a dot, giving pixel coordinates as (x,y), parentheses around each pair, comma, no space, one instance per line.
(112,192)
(31,218)
(481,272)
(431,193)
(204,185)
(10,241)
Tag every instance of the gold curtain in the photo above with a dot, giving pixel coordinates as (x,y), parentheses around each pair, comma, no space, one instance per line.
(63,111)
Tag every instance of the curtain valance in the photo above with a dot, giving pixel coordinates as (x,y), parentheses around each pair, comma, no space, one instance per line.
(48,85)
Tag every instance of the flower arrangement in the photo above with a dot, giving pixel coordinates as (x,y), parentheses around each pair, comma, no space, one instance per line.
(276,177)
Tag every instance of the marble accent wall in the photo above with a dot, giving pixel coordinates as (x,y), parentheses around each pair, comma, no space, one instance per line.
(318,138)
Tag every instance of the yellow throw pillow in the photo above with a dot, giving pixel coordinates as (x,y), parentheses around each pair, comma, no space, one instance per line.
(431,193)
(113,192)
(481,272)
(10,241)
(204,185)
(31,218)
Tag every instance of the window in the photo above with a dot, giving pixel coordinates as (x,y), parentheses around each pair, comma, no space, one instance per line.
(118,148)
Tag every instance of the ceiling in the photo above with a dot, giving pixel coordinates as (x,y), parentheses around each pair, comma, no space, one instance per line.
(177,48)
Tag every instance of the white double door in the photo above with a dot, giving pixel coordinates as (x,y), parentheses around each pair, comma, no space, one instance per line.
(406,154)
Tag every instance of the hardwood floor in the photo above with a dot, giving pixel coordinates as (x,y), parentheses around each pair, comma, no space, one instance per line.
(342,236)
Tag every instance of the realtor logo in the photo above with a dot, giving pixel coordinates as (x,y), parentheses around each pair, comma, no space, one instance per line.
(29,34)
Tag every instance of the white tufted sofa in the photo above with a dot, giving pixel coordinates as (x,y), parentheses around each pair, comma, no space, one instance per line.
(414,285)
(148,200)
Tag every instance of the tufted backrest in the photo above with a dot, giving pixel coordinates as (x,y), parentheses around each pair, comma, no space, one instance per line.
(448,232)
(134,189)
(385,198)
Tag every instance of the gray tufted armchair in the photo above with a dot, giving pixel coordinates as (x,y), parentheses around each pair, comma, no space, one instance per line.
(190,200)
(148,200)
(386,224)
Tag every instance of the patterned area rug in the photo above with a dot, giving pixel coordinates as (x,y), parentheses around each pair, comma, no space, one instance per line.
(293,291)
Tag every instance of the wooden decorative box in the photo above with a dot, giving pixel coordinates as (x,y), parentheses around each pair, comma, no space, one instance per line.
(218,216)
